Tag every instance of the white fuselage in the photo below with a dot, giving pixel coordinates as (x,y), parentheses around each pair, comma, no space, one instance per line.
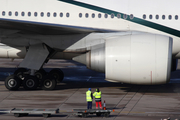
(136,7)
(68,15)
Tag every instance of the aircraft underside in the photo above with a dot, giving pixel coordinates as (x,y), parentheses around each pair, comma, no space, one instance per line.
(128,57)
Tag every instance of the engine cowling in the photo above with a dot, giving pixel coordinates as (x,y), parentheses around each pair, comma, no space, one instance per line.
(11,52)
(134,59)
(94,59)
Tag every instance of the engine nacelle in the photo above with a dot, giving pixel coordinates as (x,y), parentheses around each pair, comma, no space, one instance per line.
(139,59)
(134,59)
(11,52)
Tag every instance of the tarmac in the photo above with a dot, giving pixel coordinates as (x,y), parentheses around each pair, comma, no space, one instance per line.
(130,102)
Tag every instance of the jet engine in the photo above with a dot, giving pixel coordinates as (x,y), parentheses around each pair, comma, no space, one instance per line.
(135,59)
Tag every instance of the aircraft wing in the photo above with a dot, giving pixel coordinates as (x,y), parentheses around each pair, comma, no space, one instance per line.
(26,27)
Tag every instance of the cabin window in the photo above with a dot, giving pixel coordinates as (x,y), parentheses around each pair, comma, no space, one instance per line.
(22,13)
(99,15)
(150,16)
(54,14)
(157,16)
(170,17)
(105,15)
(35,14)
(67,14)
(118,15)
(176,17)
(144,16)
(29,14)
(131,16)
(163,17)
(16,13)
(10,13)
(61,14)
(80,15)
(93,15)
(3,13)
(112,15)
(125,16)
(42,14)
(86,15)
(48,14)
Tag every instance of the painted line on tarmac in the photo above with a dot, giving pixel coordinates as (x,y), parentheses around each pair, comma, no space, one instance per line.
(117,111)
(5,97)
(165,112)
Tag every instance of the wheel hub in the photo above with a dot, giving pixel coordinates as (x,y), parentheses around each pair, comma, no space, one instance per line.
(20,75)
(12,83)
(47,83)
(38,75)
(30,83)
(56,76)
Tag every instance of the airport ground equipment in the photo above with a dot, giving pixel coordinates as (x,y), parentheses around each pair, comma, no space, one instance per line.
(18,112)
(98,112)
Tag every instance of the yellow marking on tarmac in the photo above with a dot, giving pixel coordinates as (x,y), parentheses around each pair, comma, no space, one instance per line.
(116,111)
(133,112)
(2,86)
(138,112)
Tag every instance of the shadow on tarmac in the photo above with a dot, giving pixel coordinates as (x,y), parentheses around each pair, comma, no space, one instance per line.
(77,77)
(166,88)
(39,115)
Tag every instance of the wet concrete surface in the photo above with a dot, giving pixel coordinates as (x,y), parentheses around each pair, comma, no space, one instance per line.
(130,102)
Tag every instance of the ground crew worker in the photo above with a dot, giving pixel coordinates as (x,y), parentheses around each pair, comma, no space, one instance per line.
(97,96)
(89,98)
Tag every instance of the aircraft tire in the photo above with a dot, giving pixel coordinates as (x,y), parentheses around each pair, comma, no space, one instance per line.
(57,74)
(48,83)
(40,74)
(12,82)
(30,82)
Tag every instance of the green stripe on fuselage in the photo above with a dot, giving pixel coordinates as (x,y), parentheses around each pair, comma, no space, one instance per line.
(135,20)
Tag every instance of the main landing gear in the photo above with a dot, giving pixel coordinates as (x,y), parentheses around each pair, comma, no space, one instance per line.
(42,79)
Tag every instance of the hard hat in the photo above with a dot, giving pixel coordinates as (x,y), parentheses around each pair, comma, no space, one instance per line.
(89,89)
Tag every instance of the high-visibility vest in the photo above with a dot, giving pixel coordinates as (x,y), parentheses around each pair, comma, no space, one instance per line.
(88,96)
(97,94)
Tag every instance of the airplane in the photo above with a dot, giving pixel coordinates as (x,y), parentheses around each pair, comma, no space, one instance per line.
(131,41)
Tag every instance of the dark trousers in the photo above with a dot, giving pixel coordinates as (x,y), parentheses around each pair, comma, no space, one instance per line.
(89,105)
